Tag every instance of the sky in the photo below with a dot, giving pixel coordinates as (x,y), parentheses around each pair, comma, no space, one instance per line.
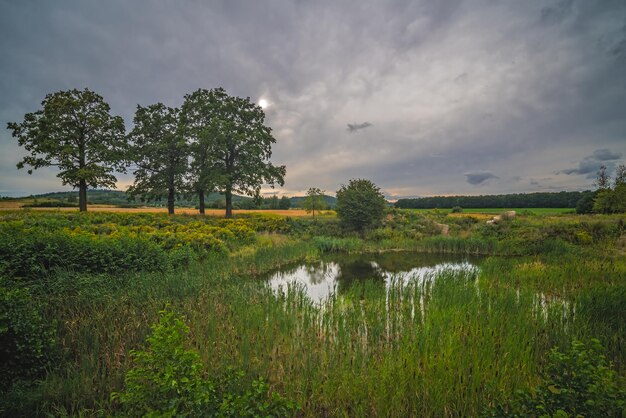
(421,97)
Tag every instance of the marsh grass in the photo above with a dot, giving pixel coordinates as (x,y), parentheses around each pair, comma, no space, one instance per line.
(447,346)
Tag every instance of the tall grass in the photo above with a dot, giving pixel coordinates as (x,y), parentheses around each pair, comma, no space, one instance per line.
(448,346)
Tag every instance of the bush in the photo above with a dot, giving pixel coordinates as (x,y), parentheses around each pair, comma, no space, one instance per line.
(168,381)
(576,383)
(360,204)
(457,209)
(26,338)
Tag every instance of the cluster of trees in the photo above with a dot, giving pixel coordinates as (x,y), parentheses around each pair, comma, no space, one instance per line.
(517,200)
(608,198)
(214,142)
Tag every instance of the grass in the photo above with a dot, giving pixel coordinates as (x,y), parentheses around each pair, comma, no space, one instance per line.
(448,347)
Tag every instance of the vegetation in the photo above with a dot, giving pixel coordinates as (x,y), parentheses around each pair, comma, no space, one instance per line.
(75,132)
(578,382)
(85,290)
(607,199)
(314,200)
(518,200)
(360,204)
(167,380)
(241,149)
(160,154)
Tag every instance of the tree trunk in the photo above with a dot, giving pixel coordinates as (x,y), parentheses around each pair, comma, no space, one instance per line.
(82,196)
(229,202)
(170,201)
(201,198)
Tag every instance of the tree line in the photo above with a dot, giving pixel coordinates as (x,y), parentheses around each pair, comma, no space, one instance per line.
(213,142)
(516,200)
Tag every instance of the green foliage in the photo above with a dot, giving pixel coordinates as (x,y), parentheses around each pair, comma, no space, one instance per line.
(457,209)
(27,339)
(585,204)
(160,153)
(314,200)
(516,200)
(285,203)
(578,382)
(34,244)
(74,131)
(360,204)
(168,380)
(337,245)
(234,145)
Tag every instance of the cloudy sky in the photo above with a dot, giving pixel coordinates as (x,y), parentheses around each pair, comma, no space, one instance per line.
(421,97)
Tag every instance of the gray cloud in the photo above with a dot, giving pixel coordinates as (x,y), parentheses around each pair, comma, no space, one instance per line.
(479,177)
(605,155)
(506,87)
(592,163)
(353,127)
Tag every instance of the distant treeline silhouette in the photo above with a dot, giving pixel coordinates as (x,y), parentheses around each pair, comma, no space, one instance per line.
(516,200)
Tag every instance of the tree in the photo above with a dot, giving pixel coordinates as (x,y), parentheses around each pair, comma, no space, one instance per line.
(602,180)
(160,154)
(199,122)
(360,204)
(242,147)
(75,132)
(620,175)
(611,200)
(285,203)
(314,200)
(585,203)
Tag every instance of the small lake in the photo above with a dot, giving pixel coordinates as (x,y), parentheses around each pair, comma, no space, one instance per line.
(339,273)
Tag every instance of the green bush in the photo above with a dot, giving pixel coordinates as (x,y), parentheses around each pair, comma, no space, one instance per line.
(577,383)
(457,209)
(360,204)
(27,339)
(168,381)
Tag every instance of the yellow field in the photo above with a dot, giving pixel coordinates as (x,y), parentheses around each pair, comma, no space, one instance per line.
(12,205)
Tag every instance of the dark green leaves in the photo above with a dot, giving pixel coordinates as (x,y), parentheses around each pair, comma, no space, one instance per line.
(75,132)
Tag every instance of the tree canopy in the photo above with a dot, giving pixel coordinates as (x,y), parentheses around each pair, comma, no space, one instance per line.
(75,132)
(314,200)
(241,149)
(160,154)
(360,204)
(199,124)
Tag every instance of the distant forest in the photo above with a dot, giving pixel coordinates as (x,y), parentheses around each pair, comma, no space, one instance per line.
(517,200)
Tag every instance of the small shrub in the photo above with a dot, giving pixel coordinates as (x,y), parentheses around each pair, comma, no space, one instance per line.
(457,209)
(578,382)
(26,338)
(168,380)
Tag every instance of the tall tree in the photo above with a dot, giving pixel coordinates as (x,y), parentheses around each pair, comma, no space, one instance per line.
(75,132)
(360,204)
(603,181)
(160,154)
(242,149)
(199,123)
(314,200)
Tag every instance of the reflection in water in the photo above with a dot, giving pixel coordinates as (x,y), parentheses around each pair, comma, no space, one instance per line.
(326,277)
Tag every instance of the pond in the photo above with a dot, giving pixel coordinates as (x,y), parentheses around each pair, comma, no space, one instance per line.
(339,273)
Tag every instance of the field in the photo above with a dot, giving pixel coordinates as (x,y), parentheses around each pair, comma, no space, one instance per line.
(85,289)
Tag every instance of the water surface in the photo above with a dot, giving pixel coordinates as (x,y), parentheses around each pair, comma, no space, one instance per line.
(340,272)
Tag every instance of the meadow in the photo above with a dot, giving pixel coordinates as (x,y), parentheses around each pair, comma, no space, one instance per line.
(85,289)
